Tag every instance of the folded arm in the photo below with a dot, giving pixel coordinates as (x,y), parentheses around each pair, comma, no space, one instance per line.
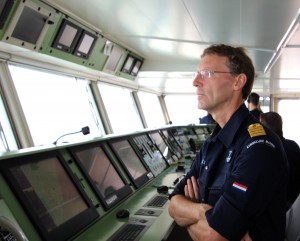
(188,212)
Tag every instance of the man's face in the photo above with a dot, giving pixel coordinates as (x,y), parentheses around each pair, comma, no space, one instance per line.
(214,83)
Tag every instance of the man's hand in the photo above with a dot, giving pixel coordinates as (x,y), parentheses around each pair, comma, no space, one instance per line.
(246,237)
(191,190)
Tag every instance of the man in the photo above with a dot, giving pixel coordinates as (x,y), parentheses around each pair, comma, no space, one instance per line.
(254,105)
(273,121)
(236,187)
(207,119)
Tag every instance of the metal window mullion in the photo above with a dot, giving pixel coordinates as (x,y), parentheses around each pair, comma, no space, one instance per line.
(14,108)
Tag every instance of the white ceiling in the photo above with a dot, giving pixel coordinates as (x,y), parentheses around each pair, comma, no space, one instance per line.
(171,35)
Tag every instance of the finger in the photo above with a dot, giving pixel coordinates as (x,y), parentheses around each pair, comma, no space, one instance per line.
(187,190)
(186,194)
(191,190)
(195,188)
(247,237)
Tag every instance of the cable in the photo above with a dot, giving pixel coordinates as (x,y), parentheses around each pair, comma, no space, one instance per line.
(85,130)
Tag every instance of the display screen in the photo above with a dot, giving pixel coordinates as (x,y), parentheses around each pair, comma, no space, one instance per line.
(29,25)
(150,153)
(67,36)
(85,45)
(162,146)
(128,64)
(173,143)
(5,7)
(2,5)
(51,197)
(136,67)
(130,160)
(103,175)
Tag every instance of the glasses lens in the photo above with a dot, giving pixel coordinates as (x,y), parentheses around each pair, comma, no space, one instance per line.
(205,74)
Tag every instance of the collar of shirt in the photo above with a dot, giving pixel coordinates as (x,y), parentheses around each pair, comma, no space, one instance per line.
(227,133)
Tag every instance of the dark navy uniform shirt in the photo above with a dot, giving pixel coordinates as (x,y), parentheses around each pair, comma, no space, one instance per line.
(242,172)
(256,112)
(292,151)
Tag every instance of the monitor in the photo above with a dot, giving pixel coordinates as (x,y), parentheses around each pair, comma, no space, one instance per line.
(132,163)
(136,67)
(85,45)
(162,146)
(170,139)
(129,62)
(100,170)
(50,194)
(5,8)
(67,37)
(150,153)
(29,25)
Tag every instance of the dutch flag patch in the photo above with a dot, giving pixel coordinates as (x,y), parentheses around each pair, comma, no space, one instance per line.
(240,186)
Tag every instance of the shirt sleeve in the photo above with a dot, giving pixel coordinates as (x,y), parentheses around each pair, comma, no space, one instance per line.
(258,176)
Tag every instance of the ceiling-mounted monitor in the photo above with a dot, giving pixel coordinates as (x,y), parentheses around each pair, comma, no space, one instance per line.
(67,36)
(132,65)
(50,194)
(136,67)
(101,171)
(85,45)
(128,65)
(29,25)
(5,8)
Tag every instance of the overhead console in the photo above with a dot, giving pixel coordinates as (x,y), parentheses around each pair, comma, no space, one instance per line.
(39,27)
(73,39)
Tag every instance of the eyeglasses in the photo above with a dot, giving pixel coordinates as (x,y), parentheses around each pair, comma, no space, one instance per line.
(207,74)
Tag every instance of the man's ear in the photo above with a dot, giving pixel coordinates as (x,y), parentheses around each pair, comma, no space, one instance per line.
(240,81)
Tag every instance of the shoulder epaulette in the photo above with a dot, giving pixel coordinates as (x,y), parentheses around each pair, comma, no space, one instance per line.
(256,129)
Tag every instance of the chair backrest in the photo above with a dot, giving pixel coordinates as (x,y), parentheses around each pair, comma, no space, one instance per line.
(292,232)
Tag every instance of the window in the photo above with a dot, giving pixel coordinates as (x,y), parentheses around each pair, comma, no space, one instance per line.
(7,138)
(183,109)
(290,118)
(55,105)
(265,103)
(152,110)
(121,109)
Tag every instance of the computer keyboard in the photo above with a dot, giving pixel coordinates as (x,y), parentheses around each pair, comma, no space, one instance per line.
(132,231)
(158,201)
(129,232)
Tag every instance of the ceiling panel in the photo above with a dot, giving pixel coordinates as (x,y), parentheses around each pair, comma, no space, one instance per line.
(171,34)
(216,20)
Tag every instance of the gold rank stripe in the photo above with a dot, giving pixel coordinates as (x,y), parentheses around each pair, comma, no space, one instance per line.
(256,130)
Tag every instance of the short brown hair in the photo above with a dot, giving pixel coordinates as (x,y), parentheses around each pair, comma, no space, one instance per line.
(238,62)
(253,98)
